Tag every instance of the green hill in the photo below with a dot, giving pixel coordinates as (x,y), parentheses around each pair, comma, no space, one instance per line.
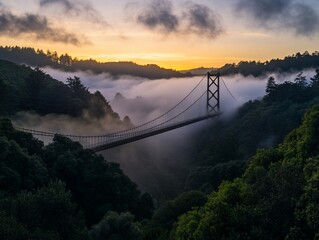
(296,62)
(25,89)
(276,198)
(61,190)
(270,193)
(222,151)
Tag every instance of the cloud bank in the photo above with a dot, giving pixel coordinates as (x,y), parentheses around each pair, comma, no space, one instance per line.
(35,26)
(281,14)
(195,19)
(159,14)
(202,20)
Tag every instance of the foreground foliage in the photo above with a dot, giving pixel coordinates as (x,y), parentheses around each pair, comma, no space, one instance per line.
(222,152)
(59,190)
(276,198)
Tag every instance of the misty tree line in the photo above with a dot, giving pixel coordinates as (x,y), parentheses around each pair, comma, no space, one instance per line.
(298,91)
(296,62)
(39,58)
(59,191)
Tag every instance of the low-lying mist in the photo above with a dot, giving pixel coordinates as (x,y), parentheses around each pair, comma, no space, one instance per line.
(146,99)
(158,164)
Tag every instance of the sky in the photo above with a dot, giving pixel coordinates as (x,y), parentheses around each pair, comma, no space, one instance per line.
(177,34)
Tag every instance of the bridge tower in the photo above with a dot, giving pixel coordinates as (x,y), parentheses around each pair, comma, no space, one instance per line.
(213,103)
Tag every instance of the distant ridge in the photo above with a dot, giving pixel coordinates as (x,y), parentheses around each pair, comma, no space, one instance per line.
(198,71)
(65,62)
(296,62)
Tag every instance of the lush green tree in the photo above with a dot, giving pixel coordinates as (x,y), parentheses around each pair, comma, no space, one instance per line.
(145,207)
(98,186)
(167,214)
(271,85)
(3,95)
(276,198)
(78,89)
(301,80)
(314,83)
(18,170)
(47,212)
(35,82)
(114,226)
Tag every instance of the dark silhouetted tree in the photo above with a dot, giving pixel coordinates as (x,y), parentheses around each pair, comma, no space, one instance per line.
(116,226)
(301,80)
(77,88)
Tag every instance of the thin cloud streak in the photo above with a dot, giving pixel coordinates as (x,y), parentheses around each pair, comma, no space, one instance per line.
(78,8)
(66,3)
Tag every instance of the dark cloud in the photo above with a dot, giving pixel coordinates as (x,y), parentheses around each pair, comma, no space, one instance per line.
(78,8)
(159,14)
(203,20)
(304,20)
(281,14)
(264,10)
(196,19)
(35,26)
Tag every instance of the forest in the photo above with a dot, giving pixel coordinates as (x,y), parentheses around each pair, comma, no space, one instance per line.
(296,62)
(252,176)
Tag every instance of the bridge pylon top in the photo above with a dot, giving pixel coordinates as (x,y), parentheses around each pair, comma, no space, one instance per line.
(213,93)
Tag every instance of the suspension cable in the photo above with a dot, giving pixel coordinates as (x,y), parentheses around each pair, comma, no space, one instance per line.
(229,90)
(123,131)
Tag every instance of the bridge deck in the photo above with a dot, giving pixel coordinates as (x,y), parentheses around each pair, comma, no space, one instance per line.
(152,133)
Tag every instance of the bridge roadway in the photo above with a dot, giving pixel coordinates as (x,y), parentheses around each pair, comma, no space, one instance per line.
(147,133)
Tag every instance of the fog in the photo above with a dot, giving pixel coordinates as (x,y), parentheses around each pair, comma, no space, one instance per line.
(157,164)
(154,97)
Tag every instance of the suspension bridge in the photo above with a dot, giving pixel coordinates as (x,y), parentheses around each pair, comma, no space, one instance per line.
(201,103)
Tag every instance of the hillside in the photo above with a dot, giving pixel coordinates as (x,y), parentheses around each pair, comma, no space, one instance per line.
(61,190)
(296,62)
(65,62)
(26,89)
(259,170)
(199,71)
(276,197)
(221,152)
